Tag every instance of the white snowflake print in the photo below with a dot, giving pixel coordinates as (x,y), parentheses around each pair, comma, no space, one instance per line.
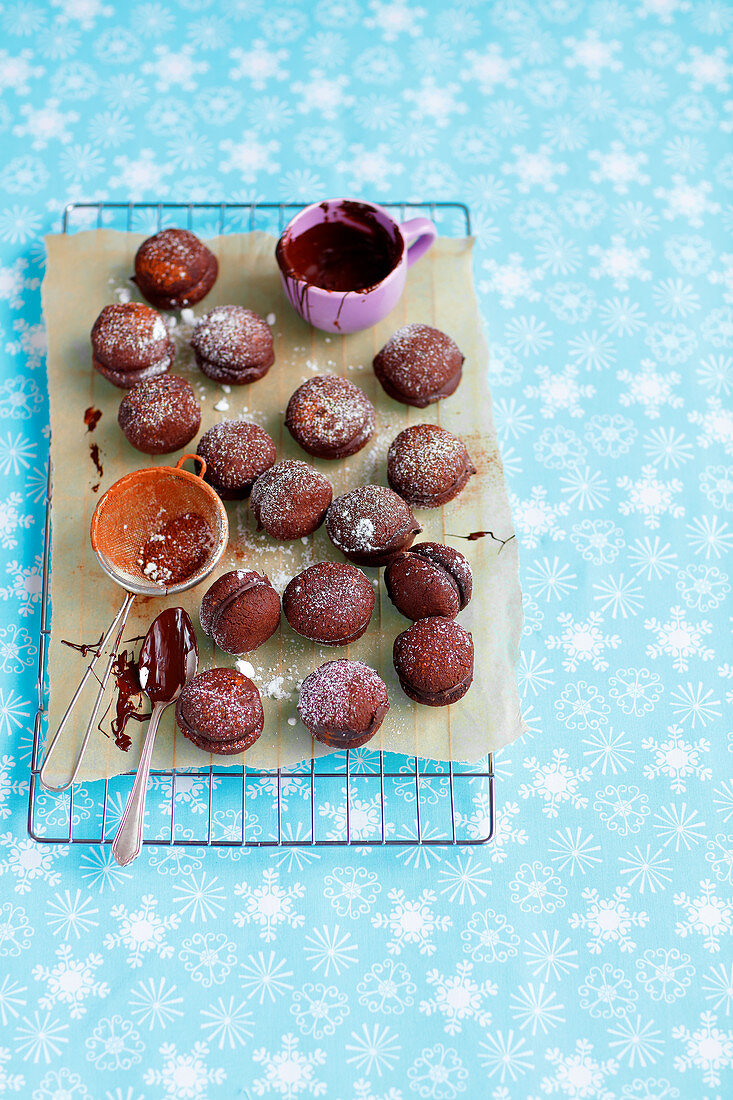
(29,862)
(537,889)
(185,1074)
(593,53)
(411,922)
(687,200)
(69,982)
(289,1072)
(488,937)
(208,957)
(665,974)
(608,920)
(606,993)
(269,905)
(559,391)
(42,124)
(715,424)
(387,988)
(649,388)
(620,263)
(259,64)
(679,639)
(556,782)
(619,167)
(536,518)
(175,70)
(438,1073)
(319,1009)
(706,915)
(534,169)
(511,280)
(579,1075)
(352,890)
(26,585)
(707,1048)
(491,68)
(583,641)
(677,758)
(458,997)
(141,931)
(650,497)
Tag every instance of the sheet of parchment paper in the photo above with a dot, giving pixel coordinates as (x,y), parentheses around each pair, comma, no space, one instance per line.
(90,269)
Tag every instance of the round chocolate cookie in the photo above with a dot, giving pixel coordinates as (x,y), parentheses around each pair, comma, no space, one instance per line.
(343,703)
(330,417)
(429,579)
(130,344)
(220,711)
(290,500)
(419,365)
(160,416)
(330,602)
(434,661)
(236,452)
(371,524)
(240,611)
(233,345)
(428,466)
(174,269)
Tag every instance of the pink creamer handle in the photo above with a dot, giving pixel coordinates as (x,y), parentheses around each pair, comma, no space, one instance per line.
(419,235)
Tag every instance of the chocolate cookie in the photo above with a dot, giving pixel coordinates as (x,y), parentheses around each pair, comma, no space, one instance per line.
(290,500)
(330,417)
(371,524)
(428,466)
(330,602)
(428,580)
(240,611)
(220,711)
(434,661)
(130,344)
(419,365)
(233,345)
(236,452)
(160,416)
(175,269)
(343,703)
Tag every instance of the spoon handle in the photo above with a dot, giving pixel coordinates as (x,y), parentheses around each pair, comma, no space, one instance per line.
(128,842)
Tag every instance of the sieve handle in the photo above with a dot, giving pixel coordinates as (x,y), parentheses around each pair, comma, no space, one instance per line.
(129,840)
(118,623)
(194,458)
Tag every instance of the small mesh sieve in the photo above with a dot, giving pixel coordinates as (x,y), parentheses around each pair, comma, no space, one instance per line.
(134,508)
(141,503)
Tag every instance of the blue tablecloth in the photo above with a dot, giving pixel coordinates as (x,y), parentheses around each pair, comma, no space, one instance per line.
(585,952)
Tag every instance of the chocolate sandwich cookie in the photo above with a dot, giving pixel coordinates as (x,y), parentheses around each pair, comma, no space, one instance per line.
(160,416)
(371,524)
(236,453)
(233,345)
(175,269)
(240,611)
(434,661)
(429,580)
(220,711)
(330,602)
(131,344)
(290,500)
(343,703)
(418,365)
(428,466)
(330,417)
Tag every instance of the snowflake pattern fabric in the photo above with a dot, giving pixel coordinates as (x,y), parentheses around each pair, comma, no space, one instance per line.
(586,951)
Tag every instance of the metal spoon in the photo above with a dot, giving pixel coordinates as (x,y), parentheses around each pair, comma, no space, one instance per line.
(168,659)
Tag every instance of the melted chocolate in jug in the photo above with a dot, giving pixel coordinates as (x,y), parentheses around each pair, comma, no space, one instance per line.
(341,255)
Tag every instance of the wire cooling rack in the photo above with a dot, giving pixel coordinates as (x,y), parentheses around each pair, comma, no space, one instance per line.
(357,797)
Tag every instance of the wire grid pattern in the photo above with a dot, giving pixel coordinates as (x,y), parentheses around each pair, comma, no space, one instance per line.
(380,798)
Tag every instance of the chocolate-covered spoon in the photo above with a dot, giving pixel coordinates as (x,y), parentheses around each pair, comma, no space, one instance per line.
(168,659)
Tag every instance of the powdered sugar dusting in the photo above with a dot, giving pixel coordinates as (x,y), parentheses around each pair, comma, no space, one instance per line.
(364,520)
(326,695)
(132,332)
(426,455)
(418,359)
(231,334)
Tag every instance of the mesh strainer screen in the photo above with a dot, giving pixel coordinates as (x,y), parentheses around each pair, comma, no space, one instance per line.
(137,506)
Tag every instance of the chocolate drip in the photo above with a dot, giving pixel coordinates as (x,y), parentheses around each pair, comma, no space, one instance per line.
(84,647)
(92,417)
